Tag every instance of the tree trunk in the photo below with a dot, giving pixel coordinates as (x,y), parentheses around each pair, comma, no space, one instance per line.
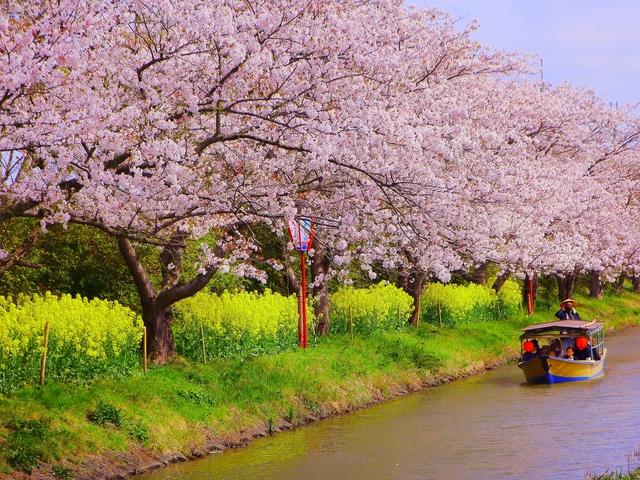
(635,280)
(620,283)
(479,275)
(501,280)
(293,285)
(157,309)
(595,288)
(319,270)
(411,283)
(565,286)
(160,344)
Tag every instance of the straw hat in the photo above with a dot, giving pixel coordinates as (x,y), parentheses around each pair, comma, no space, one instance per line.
(573,302)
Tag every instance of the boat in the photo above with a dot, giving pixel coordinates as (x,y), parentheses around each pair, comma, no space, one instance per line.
(547,364)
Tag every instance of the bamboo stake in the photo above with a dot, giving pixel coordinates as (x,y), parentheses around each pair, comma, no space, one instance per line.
(144,349)
(439,313)
(44,353)
(351,321)
(204,352)
(399,322)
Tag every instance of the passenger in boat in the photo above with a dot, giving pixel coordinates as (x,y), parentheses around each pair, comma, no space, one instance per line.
(594,352)
(567,310)
(530,350)
(556,347)
(583,349)
(569,353)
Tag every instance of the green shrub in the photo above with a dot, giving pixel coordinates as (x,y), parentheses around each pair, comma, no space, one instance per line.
(379,308)
(106,413)
(139,431)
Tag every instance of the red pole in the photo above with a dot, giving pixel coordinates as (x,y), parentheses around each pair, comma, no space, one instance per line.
(300,342)
(305,341)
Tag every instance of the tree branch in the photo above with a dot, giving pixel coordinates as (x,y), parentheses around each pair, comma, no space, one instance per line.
(238,136)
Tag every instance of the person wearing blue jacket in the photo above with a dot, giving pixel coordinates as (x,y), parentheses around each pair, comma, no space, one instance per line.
(584,350)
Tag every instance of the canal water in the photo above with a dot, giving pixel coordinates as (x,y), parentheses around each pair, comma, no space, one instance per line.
(489,426)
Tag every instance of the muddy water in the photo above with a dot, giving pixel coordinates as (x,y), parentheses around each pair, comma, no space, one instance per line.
(490,426)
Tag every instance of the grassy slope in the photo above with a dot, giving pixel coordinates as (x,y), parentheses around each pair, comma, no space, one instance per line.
(190,407)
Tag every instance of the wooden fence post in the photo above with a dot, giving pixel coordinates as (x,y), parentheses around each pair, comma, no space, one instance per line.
(144,349)
(204,352)
(43,365)
(351,321)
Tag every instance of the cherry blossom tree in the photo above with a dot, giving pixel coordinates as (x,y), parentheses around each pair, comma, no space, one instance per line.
(528,163)
(165,122)
(156,122)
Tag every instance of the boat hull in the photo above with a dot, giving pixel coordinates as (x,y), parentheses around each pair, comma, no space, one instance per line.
(560,370)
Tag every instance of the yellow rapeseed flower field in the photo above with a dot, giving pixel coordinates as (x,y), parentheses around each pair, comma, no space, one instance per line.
(86,337)
(242,323)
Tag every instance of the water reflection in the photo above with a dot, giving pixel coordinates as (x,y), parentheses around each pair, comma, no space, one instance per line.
(489,426)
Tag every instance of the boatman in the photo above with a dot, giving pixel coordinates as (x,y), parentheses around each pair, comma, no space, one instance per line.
(567,310)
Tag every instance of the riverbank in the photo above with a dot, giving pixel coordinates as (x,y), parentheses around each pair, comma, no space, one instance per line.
(114,429)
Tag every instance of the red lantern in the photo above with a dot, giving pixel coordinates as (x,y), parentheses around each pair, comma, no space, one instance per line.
(301,233)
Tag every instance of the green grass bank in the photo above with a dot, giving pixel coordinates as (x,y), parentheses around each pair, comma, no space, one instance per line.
(186,409)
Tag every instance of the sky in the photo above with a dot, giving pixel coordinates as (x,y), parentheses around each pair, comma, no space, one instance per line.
(593,44)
